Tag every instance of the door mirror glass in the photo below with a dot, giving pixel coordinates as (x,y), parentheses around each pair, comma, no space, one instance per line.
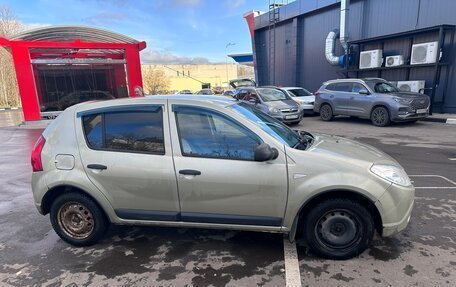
(264,152)
(364,92)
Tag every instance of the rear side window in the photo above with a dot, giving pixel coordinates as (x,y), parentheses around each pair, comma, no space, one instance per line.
(340,87)
(127,131)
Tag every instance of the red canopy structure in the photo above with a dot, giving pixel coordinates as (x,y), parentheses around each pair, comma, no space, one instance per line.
(59,66)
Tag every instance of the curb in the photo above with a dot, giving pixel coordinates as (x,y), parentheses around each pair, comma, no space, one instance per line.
(440,120)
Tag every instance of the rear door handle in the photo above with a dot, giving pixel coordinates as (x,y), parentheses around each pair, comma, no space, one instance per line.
(97,166)
(189,172)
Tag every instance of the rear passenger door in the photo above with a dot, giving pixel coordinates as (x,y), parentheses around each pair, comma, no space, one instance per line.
(126,153)
(340,94)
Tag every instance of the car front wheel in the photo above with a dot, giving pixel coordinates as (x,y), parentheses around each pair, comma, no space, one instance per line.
(77,219)
(380,117)
(326,113)
(338,229)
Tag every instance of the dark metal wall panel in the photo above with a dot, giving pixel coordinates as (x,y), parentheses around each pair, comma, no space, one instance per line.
(312,65)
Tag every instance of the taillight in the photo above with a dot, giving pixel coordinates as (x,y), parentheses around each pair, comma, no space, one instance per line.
(37,164)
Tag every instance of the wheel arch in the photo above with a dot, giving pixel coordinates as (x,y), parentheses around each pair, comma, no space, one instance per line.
(336,193)
(53,193)
(376,105)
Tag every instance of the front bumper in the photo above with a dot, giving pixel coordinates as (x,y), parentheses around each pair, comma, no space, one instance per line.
(395,207)
(405,113)
(288,117)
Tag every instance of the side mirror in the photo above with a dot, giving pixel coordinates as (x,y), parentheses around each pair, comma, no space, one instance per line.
(264,152)
(364,92)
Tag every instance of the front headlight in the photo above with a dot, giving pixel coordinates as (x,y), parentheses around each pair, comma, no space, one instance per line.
(274,110)
(402,100)
(391,173)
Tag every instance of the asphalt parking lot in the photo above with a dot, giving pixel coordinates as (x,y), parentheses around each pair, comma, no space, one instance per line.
(423,255)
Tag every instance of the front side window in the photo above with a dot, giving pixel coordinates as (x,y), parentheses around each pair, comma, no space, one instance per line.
(126,131)
(205,133)
(383,87)
(358,87)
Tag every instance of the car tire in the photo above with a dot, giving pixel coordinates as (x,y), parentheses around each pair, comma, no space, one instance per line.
(326,113)
(380,117)
(78,219)
(338,229)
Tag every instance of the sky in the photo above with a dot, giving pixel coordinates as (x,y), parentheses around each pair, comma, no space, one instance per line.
(176,31)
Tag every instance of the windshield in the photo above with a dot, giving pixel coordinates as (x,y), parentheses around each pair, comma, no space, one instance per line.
(268,124)
(382,87)
(299,92)
(269,95)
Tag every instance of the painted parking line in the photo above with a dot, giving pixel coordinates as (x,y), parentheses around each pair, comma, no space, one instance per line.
(435,187)
(452,158)
(292,273)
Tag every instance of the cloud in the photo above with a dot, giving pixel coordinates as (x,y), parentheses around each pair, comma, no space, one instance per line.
(186,2)
(165,57)
(104,18)
(233,4)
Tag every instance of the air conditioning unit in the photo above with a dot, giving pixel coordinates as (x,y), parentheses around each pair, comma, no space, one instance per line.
(392,61)
(411,86)
(425,53)
(370,59)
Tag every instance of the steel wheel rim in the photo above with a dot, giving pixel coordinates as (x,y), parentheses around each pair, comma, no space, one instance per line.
(379,116)
(75,220)
(338,229)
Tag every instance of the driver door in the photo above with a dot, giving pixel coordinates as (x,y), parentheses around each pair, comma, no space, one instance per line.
(218,180)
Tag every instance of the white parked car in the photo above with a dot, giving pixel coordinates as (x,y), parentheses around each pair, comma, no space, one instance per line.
(305,98)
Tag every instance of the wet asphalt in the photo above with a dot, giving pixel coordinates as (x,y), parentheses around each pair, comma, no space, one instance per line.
(31,254)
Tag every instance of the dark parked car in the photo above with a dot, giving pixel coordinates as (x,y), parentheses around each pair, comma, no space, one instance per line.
(372,98)
(271,101)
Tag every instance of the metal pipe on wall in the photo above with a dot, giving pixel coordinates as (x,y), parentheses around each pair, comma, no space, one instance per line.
(330,46)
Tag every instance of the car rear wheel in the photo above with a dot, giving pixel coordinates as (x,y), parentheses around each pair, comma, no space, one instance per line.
(326,113)
(380,117)
(338,229)
(77,219)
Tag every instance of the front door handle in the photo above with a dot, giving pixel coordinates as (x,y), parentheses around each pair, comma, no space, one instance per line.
(189,172)
(97,166)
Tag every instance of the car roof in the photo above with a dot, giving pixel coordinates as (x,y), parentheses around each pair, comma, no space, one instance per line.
(201,99)
(363,80)
(291,88)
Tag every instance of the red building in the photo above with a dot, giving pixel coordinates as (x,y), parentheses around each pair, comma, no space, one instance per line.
(60,66)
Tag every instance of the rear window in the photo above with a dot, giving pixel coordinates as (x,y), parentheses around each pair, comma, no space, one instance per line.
(126,131)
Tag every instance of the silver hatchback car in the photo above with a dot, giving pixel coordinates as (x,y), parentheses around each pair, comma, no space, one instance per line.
(213,162)
(371,98)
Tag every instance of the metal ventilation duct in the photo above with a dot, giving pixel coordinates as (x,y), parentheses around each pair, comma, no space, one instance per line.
(330,46)
(71,33)
(344,11)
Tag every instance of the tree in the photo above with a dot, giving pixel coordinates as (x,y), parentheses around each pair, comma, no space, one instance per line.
(9,94)
(154,81)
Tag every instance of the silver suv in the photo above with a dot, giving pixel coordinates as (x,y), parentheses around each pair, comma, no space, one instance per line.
(371,98)
(213,162)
